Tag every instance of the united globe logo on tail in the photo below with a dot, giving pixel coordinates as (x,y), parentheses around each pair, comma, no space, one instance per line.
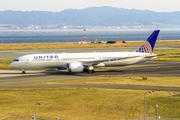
(145,48)
(148,45)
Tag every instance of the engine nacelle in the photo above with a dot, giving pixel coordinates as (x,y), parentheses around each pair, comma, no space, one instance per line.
(75,67)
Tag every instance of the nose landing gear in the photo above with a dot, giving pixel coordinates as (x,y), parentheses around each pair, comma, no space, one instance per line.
(23,71)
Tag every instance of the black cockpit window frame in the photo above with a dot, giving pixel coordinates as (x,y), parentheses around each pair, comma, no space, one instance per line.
(16,60)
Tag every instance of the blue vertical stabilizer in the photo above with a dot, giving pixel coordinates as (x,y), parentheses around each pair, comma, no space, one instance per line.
(148,45)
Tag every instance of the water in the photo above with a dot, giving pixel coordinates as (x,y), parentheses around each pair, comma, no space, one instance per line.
(74,35)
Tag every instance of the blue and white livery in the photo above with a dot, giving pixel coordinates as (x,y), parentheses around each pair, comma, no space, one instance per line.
(79,62)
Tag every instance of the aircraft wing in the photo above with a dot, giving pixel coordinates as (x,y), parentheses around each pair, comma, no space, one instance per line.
(95,62)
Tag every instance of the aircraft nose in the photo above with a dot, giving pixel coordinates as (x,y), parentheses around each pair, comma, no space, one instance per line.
(12,65)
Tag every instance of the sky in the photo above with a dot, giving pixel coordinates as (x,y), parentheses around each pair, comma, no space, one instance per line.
(60,5)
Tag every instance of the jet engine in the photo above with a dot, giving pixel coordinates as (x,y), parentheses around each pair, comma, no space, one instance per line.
(75,67)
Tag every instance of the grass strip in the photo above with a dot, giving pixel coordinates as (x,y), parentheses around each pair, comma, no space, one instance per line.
(168,54)
(33,46)
(86,104)
(4,64)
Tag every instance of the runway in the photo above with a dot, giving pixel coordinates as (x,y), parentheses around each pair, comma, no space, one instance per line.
(14,78)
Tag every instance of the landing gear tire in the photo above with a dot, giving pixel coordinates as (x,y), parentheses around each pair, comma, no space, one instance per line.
(85,70)
(90,71)
(23,71)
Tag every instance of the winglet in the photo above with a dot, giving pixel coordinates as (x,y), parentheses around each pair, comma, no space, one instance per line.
(148,45)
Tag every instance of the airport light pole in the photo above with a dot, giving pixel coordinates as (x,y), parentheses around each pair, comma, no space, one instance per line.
(145,104)
(57,118)
(156,112)
(35,109)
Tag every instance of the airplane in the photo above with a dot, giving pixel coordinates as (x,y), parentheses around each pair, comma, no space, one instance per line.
(85,62)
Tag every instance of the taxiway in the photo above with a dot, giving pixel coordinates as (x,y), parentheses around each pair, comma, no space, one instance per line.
(15,79)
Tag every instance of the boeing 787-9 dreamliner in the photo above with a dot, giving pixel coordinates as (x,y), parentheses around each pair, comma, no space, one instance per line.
(85,62)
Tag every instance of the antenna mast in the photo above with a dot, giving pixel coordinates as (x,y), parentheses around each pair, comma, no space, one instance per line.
(84,35)
(159,38)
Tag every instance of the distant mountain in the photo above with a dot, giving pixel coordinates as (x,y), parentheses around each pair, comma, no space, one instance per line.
(93,16)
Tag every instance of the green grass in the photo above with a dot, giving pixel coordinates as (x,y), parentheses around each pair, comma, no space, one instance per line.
(4,64)
(168,54)
(85,104)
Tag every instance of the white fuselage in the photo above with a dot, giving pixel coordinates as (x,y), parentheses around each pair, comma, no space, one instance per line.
(60,60)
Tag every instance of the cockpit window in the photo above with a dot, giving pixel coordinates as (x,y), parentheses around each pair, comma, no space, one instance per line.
(16,60)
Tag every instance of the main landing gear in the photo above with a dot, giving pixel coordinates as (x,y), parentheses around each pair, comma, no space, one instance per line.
(23,71)
(89,71)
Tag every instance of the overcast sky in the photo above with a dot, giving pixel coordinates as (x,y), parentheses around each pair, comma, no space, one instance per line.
(59,5)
